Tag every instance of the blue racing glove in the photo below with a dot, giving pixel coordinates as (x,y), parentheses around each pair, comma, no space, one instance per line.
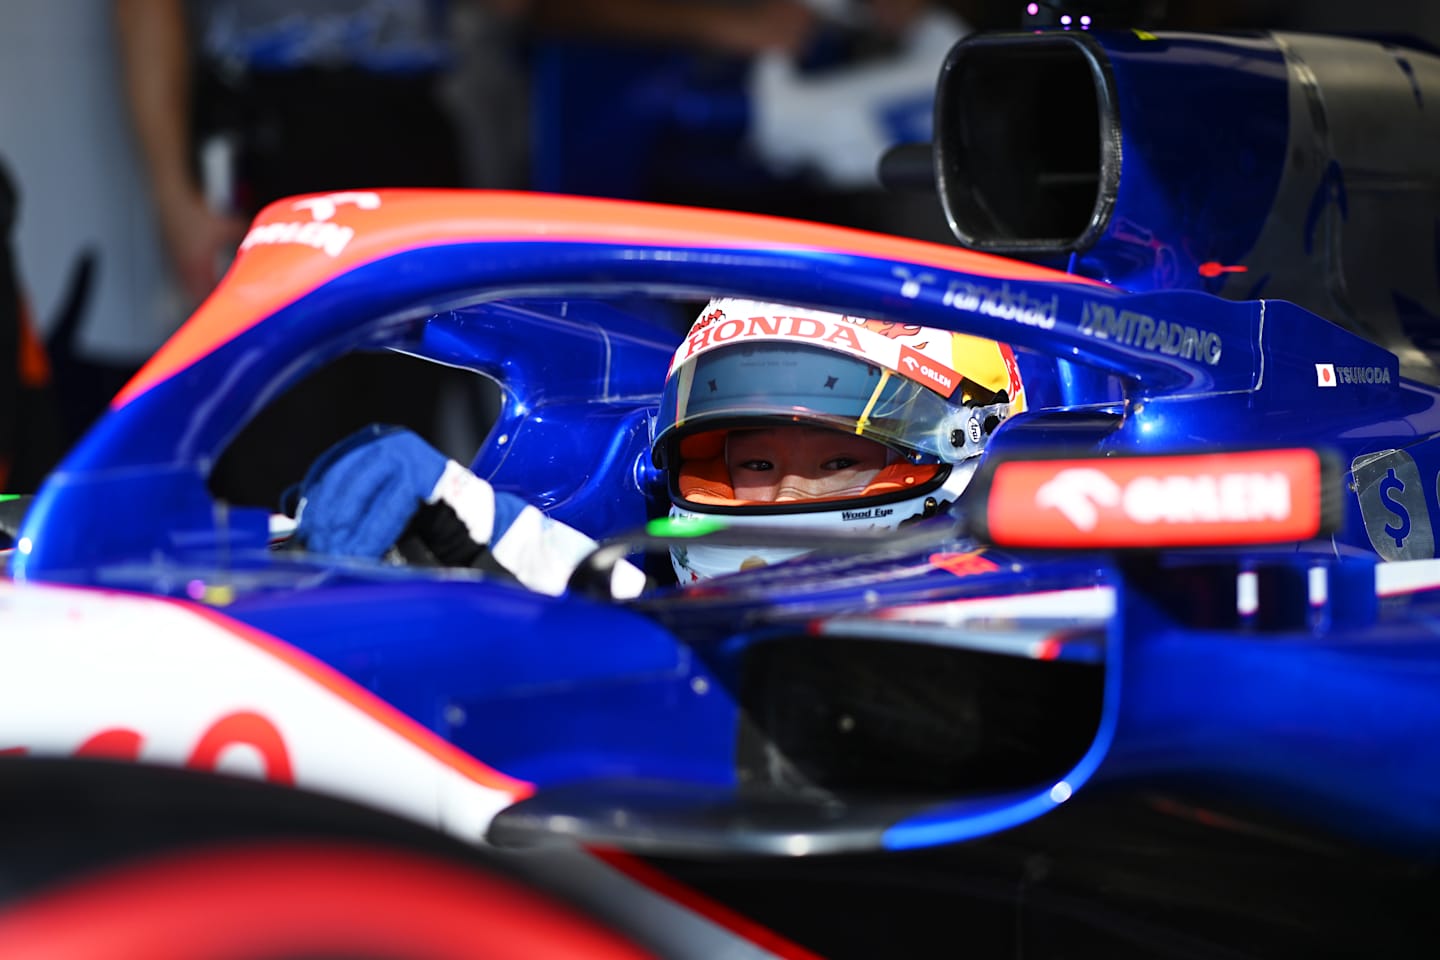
(360,495)
(376,485)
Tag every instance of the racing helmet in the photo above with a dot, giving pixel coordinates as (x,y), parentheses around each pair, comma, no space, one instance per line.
(930,397)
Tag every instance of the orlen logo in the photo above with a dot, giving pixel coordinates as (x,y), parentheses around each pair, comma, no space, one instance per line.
(935,375)
(1253,497)
(1079,493)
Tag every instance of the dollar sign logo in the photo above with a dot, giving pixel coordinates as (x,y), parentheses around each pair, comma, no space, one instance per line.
(1392,483)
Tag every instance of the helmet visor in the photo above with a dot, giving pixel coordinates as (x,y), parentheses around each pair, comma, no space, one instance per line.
(785,382)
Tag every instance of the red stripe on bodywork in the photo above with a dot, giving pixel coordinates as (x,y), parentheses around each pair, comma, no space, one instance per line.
(268,276)
(696,902)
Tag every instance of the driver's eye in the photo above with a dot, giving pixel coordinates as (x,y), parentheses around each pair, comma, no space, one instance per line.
(839,463)
(759,466)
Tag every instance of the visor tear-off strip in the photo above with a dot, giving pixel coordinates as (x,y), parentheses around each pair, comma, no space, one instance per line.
(682,392)
(864,418)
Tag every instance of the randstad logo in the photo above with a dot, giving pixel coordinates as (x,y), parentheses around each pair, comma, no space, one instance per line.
(1003,304)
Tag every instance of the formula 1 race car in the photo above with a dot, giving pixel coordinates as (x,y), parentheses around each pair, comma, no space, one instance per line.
(1165,680)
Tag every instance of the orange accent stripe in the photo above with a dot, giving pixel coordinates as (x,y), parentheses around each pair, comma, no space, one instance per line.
(365,701)
(963,564)
(1047,649)
(268,276)
(697,902)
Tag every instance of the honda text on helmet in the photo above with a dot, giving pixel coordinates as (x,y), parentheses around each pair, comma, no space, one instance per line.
(781,415)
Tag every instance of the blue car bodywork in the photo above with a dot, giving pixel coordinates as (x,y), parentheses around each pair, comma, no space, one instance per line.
(876,695)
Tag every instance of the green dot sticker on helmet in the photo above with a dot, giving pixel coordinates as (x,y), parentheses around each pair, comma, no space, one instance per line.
(684,526)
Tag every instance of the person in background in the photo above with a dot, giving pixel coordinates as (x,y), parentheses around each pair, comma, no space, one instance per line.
(238,103)
(29,425)
(88,244)
(715,25)
(776,106)
(200,222)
